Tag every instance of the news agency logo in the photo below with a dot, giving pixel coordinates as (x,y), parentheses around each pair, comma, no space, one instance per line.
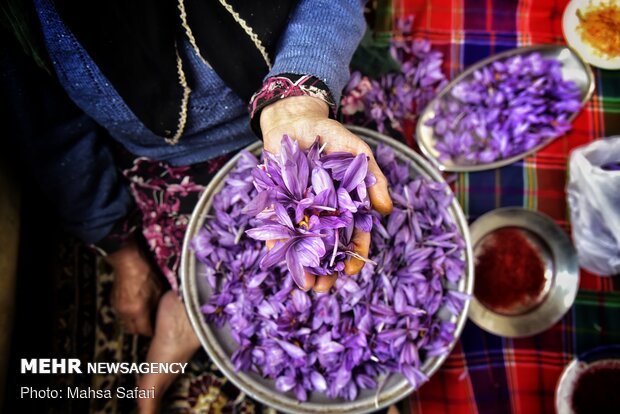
(51,366)
(73,366)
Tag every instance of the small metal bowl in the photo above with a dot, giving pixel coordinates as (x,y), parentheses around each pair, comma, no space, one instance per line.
(561,273)
(219,344)
(606,355)
(573,68)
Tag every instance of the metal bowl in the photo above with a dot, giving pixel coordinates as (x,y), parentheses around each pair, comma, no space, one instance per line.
(561,273)
(573,68)
(219,344)
(605,355)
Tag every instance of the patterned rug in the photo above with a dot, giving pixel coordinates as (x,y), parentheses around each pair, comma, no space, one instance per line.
(86,327)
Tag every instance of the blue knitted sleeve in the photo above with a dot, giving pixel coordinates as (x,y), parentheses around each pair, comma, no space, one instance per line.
(320,40)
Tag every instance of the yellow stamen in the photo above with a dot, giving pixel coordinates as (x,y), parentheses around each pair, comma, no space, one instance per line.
(305,222)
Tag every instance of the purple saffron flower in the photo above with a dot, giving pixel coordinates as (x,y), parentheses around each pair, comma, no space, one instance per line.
(214,309)
(384,320)
(297,247)
(505,109)
(396,98)
(317,196)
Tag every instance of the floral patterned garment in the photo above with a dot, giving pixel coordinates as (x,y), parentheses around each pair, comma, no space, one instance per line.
(166,196)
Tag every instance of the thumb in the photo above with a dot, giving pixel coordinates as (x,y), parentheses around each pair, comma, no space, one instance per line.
(378,193)
(361,246)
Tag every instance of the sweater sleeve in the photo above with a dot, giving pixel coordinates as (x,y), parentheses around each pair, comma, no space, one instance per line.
(63,149)
(320,40)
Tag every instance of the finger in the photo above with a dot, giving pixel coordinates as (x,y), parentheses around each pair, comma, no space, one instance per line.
(324,283)
(361,246)
(348,142)
(142,325)
(378,193)
(309,281)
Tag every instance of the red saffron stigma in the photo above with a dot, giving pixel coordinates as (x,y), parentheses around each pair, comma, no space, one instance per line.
(509,270)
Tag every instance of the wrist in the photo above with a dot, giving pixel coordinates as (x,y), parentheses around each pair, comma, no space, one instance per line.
(294,107)
(283,87)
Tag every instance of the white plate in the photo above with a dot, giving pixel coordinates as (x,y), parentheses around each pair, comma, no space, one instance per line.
(570,21)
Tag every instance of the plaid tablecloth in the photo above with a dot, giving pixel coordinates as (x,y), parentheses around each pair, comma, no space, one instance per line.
(486,373)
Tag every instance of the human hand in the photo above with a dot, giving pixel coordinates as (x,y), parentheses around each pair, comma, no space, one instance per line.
(136,289)
(304,118)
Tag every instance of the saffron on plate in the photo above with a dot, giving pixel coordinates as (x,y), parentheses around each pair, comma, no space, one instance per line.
(509,271)
(596,389)
(599,26)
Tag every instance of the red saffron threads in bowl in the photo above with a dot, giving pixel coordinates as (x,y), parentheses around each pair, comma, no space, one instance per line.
(509,270)
(596,389)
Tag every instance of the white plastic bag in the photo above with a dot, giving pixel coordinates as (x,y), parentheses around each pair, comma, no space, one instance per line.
(594,201)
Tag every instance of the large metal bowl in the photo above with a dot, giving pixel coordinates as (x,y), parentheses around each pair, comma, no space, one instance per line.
(219,344)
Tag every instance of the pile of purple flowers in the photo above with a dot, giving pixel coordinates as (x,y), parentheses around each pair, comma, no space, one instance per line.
(383,320)
(396,97)
(505,109)
(310,203)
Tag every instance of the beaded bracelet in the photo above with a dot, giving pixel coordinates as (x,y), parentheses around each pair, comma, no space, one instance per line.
(284,86)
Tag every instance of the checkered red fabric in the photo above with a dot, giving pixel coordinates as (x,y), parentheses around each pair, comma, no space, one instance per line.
(486,373)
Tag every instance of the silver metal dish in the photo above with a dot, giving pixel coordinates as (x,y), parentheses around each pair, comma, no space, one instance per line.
(561,273)
(606,355)
(219,344)
(573,68)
